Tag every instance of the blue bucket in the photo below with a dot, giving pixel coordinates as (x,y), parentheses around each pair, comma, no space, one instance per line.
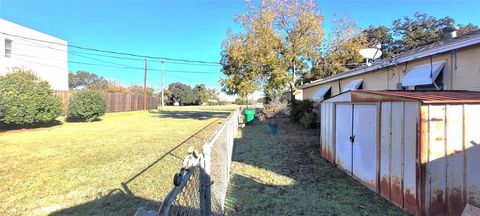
(273,129)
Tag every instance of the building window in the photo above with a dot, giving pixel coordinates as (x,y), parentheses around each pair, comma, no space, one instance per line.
(8,48)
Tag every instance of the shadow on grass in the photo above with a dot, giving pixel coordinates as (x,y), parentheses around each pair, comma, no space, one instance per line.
(114,203)
(285,175)
(14,127)
(170,152)
(123,201)
(76,120)
(199,115)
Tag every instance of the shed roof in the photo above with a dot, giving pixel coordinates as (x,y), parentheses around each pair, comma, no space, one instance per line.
(426,97)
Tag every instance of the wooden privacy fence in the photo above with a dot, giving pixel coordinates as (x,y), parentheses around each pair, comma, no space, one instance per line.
(116,102)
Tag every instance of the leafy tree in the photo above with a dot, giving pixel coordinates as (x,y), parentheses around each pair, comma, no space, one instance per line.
(213,94)
(83,79)
(236,62)
(464,29)
(181,93)
(420,30)
(138,90)
(167,95)
(27,100)
(423,29)
(114,87)
(341,50)
(343,46)
(201,94)
(280,41)
(380,35)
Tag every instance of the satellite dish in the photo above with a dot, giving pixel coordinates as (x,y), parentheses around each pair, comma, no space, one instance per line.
(370,53)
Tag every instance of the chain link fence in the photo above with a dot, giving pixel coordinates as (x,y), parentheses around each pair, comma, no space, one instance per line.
(201,185)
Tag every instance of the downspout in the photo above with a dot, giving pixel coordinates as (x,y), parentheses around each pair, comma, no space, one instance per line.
(339,87)
(453,68)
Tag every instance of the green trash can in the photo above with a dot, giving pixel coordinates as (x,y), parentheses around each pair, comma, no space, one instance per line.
(249,115)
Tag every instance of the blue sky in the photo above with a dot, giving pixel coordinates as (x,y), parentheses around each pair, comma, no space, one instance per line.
(183,29)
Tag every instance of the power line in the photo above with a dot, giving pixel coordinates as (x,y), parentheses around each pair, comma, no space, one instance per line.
(112,52)
(75,52)
(165,60)
(114,63)
(121,66)
(53,66)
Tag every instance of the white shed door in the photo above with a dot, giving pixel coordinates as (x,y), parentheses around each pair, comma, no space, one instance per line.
(343,128)
(365,143)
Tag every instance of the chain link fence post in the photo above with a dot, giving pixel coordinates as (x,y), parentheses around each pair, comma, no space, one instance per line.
(205,179)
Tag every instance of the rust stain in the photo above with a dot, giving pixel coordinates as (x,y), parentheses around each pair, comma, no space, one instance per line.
(410,202)
(396,191)
(329,156)
(437,203)
(371,184)
(385,187)
(455,202)
(423,154)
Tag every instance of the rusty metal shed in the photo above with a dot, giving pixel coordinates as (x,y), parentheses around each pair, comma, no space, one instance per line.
(418,149)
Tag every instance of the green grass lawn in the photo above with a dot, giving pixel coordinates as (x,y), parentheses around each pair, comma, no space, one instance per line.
(79,168)
(285,175)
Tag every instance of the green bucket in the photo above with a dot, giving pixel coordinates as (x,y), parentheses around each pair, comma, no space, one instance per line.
(249,115)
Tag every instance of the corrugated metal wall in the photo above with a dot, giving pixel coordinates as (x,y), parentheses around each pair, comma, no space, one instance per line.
(327,131)
(451,158)
(429,155)
(398,153)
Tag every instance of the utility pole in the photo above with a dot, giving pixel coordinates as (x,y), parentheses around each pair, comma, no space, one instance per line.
(163,74)
(145,87)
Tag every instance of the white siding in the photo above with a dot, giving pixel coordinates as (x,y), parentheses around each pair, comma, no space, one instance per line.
(49,61)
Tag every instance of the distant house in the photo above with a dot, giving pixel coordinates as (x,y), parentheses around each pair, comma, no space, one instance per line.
(451,64)
(44,54)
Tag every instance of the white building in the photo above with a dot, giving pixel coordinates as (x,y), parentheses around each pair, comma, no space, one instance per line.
(45,55)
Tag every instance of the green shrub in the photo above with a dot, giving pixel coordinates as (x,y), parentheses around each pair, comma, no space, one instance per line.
(298,108)
(308,120)
(86,105)
(26,100)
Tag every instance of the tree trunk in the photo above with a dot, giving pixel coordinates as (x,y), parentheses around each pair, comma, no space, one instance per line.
(292,90)
(292,84)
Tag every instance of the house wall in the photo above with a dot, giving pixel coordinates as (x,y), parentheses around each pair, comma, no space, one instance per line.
(49,61)
(309,92)
(466,69)
(461,72)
